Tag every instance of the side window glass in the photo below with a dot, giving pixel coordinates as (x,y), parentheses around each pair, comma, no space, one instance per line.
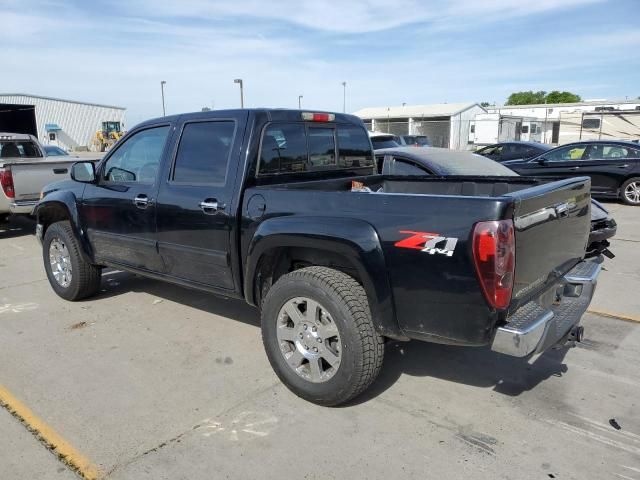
(284,149)
(633,153)
(137,159)
(614,152)
(566,154)
(402,167)
(322,148)
(203,153)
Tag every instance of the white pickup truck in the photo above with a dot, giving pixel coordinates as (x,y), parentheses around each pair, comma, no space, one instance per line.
(24,169)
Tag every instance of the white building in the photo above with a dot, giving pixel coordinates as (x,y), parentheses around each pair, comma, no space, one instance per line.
(66,123)
(558,120)
(445,124)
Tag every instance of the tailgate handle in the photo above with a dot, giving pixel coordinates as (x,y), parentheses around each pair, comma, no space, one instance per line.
(60,171)
(562,210)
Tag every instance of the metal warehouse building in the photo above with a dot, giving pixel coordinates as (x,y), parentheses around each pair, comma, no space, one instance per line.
(445,124)
(66,123)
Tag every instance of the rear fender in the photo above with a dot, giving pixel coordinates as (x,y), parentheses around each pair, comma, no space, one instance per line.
(353,239)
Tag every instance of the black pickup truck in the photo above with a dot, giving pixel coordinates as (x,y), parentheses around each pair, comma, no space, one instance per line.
(285,209)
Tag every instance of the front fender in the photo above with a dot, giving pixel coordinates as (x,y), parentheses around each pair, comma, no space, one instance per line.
(353,239)
(58,205)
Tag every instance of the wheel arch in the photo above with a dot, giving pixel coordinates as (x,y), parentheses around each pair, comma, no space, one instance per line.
(285,244)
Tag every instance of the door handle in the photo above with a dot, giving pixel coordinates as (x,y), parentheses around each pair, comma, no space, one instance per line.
(210,206)
(142,201)
(573,169)
(623,166)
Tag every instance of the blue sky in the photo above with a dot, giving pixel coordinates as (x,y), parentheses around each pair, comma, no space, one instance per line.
(388,52)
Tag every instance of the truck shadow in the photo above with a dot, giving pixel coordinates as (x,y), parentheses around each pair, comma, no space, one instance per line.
(17,227)
(479,367)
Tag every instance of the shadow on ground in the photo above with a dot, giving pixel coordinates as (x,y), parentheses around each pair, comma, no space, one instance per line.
(17,227)
(471,366)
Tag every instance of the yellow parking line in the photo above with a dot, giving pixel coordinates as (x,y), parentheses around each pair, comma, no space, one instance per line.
(63,449)
(618,316)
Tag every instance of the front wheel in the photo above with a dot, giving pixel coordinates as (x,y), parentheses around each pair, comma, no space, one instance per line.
(630,191)
(319,336)
(70,275)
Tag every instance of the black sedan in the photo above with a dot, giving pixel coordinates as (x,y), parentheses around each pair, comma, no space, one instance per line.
(441,161)
(614,167)
(515,150)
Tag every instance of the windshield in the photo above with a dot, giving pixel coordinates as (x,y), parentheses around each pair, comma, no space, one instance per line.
(19,149)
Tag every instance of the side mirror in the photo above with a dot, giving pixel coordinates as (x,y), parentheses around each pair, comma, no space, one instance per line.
(84,172)
(542,161)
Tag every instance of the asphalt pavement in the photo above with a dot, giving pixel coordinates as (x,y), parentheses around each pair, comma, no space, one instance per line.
(152,381)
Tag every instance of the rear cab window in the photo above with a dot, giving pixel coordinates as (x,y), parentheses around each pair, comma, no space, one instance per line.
(299,147)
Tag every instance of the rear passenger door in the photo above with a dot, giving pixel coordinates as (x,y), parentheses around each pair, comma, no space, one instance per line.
(608,165)
(195,217)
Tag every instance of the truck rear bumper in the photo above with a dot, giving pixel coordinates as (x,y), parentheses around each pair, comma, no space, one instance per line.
(23,208)
(534,328)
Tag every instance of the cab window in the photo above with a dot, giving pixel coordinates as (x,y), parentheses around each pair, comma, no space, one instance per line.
(138,158)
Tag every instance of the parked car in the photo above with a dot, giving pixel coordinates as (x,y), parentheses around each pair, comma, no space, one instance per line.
(515,150)
(413,140)
(441,161)
(613,165)
(24,170)
(54,151)
(383,140)
(285,210)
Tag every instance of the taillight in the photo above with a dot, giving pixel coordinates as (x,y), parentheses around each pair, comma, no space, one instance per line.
(6,181)
(318,117)
(494,254)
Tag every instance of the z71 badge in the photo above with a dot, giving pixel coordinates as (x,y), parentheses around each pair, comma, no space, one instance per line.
(431,243)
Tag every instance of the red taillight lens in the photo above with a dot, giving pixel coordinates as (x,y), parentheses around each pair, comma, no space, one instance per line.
(494,254)
(6,181)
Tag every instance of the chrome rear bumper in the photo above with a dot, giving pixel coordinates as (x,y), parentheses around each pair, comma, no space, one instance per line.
(534,329)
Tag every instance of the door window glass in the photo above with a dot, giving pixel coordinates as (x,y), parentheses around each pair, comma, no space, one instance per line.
(138,158)
(566,154)
(402,167)
(203,153)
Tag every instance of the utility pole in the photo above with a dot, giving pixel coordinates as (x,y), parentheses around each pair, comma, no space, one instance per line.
(162,84)
(344,97)
(239,81)
(299,102)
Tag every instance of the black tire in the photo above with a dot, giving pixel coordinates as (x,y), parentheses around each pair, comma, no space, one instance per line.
(623,192)
(361,347)
(85,277)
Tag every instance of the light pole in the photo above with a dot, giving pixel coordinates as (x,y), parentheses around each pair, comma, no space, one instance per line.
(162,84)
(239,81)
(344,97)
(299,102)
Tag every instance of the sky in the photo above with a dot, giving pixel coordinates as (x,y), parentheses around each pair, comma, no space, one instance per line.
(388,52)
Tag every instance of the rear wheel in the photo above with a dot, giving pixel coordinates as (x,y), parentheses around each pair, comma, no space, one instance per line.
(630,191)
(70,275)
(319,336)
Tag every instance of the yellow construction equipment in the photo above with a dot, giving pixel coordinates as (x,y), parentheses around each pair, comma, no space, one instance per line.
(104,139)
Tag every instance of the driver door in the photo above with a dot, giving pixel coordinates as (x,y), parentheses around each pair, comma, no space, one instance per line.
(119,211)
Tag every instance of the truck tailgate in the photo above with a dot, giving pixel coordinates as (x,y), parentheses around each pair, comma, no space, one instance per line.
(552,224)
(30,177)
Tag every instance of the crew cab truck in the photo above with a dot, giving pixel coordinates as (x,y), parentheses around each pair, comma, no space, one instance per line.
(285,209)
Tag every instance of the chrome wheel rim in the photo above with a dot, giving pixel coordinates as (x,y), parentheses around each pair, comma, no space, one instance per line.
(309,339)
(632,192)
(60,261)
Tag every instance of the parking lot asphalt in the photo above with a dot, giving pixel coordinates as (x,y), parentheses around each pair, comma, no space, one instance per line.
(152,381)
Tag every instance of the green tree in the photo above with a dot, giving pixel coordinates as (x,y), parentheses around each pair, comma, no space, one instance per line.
(531,98)
(562,97)
(485,104)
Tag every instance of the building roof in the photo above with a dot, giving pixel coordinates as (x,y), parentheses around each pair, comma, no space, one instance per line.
(59,100)
(575,104)
(415,111)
